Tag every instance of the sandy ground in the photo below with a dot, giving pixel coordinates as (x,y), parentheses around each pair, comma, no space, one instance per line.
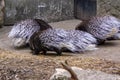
(20,64)
(30,67)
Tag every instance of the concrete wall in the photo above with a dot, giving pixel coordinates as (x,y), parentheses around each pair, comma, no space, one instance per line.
(108,7)
(52,10)
(48,10)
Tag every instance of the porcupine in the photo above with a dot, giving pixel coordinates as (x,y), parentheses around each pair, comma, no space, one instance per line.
(59,39)
(101,28)
(23,30)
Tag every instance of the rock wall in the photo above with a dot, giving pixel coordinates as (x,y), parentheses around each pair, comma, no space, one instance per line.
(48,10)
(108,7)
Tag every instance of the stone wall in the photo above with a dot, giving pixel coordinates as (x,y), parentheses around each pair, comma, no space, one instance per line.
(108,7)
(48,10)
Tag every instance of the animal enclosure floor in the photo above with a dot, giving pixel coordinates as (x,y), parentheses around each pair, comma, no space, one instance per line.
(26,66)
(110,50)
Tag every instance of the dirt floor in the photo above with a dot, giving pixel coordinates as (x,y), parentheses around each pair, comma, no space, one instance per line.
(20,64)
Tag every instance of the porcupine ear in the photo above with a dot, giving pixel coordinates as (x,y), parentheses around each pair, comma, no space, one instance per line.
(43,25)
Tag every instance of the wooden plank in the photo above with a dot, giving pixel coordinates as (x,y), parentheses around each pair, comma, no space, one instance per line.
(84,9)
(2,6)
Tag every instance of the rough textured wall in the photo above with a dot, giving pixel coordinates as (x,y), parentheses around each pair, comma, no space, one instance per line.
(109,7)
(48,10)
(2,6)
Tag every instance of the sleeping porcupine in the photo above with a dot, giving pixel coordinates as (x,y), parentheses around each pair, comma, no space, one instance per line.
(59,39)
(23,30)
(101,27)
